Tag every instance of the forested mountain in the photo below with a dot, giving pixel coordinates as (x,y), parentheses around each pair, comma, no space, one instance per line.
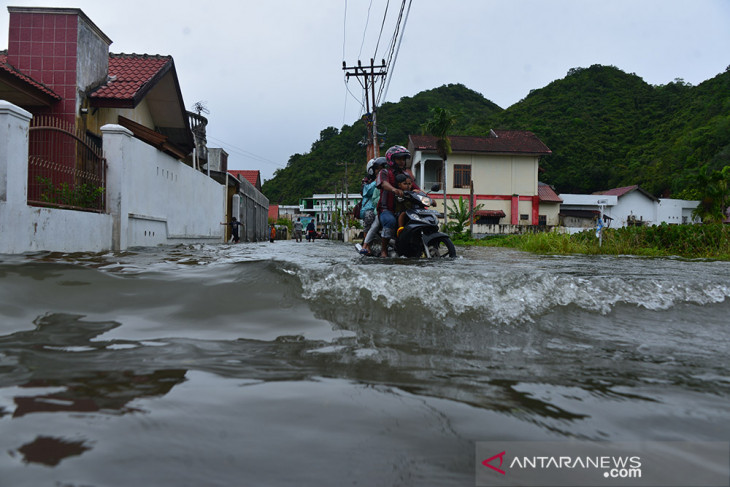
(606,129)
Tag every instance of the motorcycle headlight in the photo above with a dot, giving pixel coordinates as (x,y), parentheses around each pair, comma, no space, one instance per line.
(425,200)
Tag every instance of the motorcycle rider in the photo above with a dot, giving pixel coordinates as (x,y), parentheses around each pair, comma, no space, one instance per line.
(398,162)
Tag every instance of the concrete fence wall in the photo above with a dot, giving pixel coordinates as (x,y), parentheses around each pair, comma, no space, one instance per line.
(152,198)
(254,213)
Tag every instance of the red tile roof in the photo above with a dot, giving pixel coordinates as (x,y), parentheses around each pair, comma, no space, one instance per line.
(130,77)
(253,177)
(7,68)
(498,141)
(546,194)
(618,191)
(626,190)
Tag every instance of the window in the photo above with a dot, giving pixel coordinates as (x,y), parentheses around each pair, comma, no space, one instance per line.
(462,175)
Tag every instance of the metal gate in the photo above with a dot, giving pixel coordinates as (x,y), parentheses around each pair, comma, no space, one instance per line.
(66,167)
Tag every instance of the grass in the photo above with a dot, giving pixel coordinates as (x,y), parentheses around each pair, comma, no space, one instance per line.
(687,241)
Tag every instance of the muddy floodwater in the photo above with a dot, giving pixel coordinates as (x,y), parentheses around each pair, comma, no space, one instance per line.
(304,364)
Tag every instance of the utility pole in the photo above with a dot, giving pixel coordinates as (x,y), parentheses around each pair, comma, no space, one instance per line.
(368,76)
(346,195)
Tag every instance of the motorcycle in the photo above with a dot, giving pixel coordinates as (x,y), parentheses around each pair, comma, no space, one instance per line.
(420,236)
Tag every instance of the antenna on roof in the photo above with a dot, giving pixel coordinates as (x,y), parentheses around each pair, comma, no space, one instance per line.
(200,108)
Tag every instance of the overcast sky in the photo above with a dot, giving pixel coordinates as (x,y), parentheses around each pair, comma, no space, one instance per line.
(270,71)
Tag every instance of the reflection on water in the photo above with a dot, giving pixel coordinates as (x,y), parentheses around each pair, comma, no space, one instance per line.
(50,451)
(300,364)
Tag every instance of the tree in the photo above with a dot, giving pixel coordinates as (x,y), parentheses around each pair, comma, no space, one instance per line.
(714,194)
(440,124)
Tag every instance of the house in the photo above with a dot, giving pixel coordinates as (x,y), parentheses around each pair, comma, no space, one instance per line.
(253,177)
(634,206)
(676,212)
(76,116)
(58,64)
(621,207)
(503,167)
(324,208)
(579,212)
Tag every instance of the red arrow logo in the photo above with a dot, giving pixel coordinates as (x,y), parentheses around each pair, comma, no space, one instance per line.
(501,459)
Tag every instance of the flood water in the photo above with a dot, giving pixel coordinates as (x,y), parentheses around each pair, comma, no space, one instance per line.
(306,364)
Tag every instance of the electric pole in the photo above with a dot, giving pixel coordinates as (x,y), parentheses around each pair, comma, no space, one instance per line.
(369,76)
(346,201)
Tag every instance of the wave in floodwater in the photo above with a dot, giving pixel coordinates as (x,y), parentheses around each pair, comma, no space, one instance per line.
(488,286)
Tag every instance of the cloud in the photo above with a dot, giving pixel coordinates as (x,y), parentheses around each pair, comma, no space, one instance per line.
(271,72)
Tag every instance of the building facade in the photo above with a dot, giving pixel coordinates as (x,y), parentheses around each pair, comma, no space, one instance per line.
(498,171)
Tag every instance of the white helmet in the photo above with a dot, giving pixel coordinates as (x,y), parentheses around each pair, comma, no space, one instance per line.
(374,164)
(369,166)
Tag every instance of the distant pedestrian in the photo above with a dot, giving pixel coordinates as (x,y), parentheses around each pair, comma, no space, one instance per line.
(311,231)
(298,230)
(234,224)
(272,235)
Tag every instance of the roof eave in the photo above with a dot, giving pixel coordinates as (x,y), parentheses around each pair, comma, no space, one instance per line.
(27,89)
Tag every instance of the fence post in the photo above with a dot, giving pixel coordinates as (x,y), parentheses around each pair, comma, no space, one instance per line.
(116,142)
(14,123)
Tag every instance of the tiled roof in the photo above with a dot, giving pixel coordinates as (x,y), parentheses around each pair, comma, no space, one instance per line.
(546,194)
(618,191)
(7,68)
(131,75)
(626,190)
(498,141)
(252,177)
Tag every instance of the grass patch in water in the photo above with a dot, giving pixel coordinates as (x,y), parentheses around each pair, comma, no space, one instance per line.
(688,241)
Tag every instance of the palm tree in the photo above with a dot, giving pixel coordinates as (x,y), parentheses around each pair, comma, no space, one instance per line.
(440,124)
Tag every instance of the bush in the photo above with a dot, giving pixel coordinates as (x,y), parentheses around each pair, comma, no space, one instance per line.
(689,241)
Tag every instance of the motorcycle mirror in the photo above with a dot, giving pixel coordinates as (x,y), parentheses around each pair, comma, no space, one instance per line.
(436,187)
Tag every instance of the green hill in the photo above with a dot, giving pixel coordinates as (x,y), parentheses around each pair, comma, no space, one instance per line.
(606,129)
(322,169)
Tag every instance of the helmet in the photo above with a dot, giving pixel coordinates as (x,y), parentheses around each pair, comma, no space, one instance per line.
(369,166)
(374,165)
(396,151)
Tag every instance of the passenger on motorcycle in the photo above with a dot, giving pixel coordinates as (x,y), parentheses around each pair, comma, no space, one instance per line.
(370,197)
(404,183)
(398,162)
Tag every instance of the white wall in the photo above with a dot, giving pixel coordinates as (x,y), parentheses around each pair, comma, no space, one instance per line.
(671,211)
(155,198)
(25,228)
(633,204)
(676,211)
(152,198)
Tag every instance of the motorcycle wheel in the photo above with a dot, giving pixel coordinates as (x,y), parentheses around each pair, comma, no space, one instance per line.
(441,248)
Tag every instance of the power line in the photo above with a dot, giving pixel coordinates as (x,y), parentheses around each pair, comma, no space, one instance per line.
(245,153)
(344,32)
(391,66)
(365,30)
(382,26)
(394,48)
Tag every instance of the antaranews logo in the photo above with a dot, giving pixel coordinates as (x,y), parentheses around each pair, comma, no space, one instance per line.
(601,464)
(609,466)
(488,462)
